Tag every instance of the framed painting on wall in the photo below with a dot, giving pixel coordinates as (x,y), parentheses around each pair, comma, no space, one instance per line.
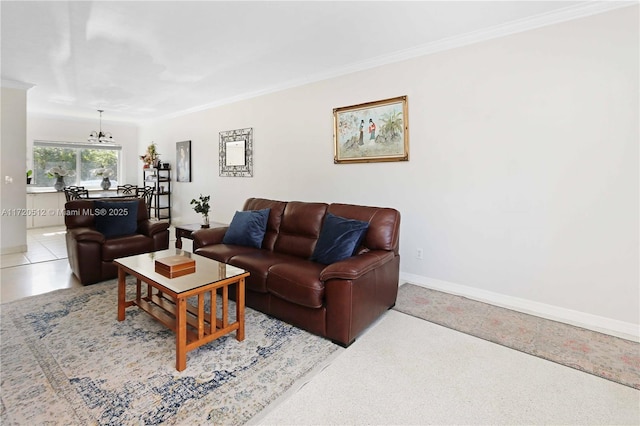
(371,132)
(183,161)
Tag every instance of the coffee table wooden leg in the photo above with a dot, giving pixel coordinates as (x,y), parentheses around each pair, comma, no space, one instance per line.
(240,310)
(181,334)
(225,306)
(213,312)
(122,281)
(200,315)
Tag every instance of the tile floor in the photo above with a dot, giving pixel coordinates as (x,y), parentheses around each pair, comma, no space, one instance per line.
(44,266)
(43,244)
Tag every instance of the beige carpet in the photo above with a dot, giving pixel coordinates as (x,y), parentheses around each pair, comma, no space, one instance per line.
(407,371)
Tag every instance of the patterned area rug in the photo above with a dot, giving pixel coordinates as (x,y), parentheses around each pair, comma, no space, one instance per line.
(67,360)
(596,353)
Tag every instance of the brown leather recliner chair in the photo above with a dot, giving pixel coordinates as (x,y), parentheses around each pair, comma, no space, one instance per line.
(91,252)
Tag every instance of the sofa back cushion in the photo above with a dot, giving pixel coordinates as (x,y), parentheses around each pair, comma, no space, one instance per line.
(294,227)
(275,217)
(300,228)
(81,213)
(384,224)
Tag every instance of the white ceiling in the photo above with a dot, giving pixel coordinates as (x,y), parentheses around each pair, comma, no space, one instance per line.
(148,59)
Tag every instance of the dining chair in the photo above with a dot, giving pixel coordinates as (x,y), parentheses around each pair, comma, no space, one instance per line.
(73,192)
(80,193)
(127,189)
(146,193)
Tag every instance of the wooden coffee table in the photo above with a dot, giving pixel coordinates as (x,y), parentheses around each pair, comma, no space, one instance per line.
(168,303)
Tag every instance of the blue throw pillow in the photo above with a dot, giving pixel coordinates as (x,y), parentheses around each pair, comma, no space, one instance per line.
(247,228)
(116,219)
(339,238)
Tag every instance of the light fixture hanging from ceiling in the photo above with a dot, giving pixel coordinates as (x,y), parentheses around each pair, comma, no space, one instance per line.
(99,136)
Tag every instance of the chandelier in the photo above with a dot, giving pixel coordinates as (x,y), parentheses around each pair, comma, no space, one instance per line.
(99,136)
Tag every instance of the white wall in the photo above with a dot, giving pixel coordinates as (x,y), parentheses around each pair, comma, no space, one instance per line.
(13,117)
(522,182)
(55,128)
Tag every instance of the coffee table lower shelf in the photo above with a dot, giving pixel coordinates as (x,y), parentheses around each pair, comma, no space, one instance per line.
(193,326)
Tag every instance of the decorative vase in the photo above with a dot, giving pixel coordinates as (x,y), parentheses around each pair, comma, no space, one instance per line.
(205,221)
(59,185)
(106,183)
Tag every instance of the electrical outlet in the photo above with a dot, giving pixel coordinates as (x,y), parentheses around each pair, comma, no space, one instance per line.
(419,253)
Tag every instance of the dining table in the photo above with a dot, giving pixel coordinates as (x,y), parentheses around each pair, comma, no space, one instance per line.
(109,194)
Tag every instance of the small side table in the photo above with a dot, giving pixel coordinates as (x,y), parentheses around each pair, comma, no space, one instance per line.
(184,231)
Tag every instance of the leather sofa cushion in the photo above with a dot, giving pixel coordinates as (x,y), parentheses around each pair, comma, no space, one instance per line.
(223,252)
(126,246)
(258,262)
(297,282)
(384,224)
(300,228)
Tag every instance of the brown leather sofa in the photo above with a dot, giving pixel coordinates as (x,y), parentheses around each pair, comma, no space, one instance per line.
(337,301)
(91,253)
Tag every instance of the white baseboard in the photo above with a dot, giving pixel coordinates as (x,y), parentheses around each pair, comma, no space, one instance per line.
(14,249)
(625,330)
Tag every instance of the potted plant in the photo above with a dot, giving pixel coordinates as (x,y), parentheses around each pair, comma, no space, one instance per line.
(105,174)
(151,156)
(202,207)
(59,173)
(29,174)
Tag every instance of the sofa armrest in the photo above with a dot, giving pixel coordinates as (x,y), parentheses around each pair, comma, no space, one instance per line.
(151,227)
(355,266)
(208,236)
(86,234)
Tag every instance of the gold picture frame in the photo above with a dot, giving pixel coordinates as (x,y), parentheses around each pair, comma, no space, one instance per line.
(372,132)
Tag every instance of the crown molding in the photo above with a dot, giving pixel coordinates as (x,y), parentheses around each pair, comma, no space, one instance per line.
(545,19)
(13,84)
(502,30)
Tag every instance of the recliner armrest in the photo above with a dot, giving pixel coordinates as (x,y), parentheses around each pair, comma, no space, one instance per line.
(86,234)
(151,227)
(356,266)
(208,236)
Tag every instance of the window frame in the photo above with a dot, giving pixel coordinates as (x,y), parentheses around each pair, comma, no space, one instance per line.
(78,147)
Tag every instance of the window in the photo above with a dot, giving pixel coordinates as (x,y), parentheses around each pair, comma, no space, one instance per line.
(82,158)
